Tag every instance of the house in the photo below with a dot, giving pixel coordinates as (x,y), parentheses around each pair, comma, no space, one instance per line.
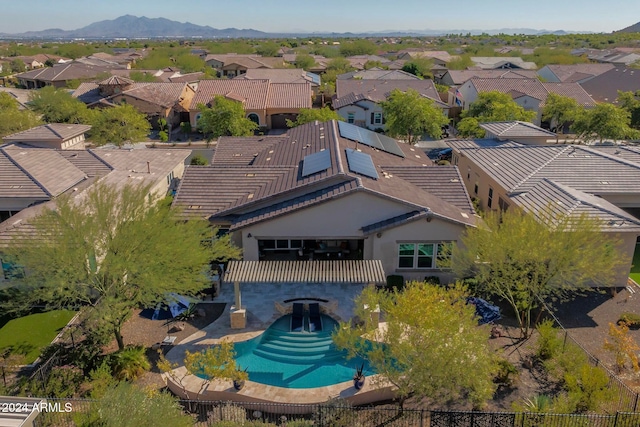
(61,136)
(377,74)
(330,190)
(232,65)
(358,61)
(576,73)
(605,87)
(530,94)
(439,57)
(358,101)
(32,178)
(283,75)
(600,181)
(458,77)
(319,67)
(168,101)
(501,62)
(266,103)
(60,75)
(40,60)
(519,132)
(619,58)
(20,95)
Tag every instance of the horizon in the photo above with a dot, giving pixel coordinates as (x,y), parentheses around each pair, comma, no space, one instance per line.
(287,16)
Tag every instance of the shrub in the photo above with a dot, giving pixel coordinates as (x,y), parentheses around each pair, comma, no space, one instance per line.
(588,388)
(549,343)
(631,319)
(395,281)
(163,135)
(129,363)
(506,374)
(63,381)
(198,160)
(100,380)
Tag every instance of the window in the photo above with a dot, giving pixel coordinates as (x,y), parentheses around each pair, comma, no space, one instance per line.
(170,178)
(280,244)
(475,189)
(468,173)
(254,118)
(377,119)
(351,117)
(423,255)
(502,204)
(490,199)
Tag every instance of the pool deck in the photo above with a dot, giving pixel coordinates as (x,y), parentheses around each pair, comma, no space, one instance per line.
(261,312)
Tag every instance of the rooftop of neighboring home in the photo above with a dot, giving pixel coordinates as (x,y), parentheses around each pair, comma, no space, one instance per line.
(257,178)
(20,95)
(515,129)
(160,93)
(494,62)
(359,61)
(247,61)
(534,88)
(460,76)
(577,72)
(281,75)
(48,132)
(421,53)
(254,94)
(350,91)
(64,72)
(605,87)
(41,58)
(377,74)
(615,56)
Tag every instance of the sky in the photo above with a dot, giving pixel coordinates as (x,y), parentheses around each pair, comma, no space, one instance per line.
(330,15)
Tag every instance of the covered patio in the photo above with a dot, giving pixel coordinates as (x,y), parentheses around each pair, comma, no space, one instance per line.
(260,288)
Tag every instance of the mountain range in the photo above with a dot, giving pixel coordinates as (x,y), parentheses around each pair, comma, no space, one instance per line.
(132,27)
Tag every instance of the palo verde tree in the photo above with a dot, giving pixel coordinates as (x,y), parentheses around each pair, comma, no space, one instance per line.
(58,106)
(225,117)
(113,249)
(308,115)
(432,346)
(524,258)
(12,119)
(560,110)
(491,107)
(409,115)
(604,121)
(118,125)
(630,101)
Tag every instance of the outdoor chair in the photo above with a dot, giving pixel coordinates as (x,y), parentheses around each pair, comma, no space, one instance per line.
(297,317)
(315,320)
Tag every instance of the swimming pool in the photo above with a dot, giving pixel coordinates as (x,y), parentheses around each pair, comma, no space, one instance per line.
(288,359)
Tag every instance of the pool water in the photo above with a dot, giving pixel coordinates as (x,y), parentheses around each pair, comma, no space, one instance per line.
(288,359)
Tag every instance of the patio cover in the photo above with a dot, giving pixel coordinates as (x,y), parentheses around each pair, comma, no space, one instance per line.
(338,271)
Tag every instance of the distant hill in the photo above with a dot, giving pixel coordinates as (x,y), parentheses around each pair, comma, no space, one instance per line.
(635,28)
(131,27)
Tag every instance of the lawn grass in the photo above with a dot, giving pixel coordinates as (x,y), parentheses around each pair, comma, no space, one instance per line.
(33,332)
(635,268)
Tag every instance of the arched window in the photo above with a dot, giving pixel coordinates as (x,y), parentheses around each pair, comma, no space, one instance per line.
(254,118)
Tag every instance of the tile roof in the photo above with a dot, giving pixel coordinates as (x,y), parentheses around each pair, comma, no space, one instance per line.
(566,201)
(594,171)
(571,90)
(461,76)
(492,62)
(605,87)
(63,72)
(269,182)
(47,168)
(20,95)
(534,88)
(15,182)
(575,72)
(87,162)
(159,93)
(289,95)
(277,75)
(56,131)
(378,75)
(515,129)
(394,222)
(378,90)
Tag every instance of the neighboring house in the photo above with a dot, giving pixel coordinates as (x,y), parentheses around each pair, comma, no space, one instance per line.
(530,94)
(232,65)
(616,57)
(600,181)
(166,75)
(458,77)
(169,101)
(40,60)
(266,103)
(358,101)
(519,132)
(358,61)
(605,87)
(20,95)
(439,57)
(378,74)
(32,178)
(61,136)
(283,75)
(329,191)
(576,73)
(59,75)
(501,62)
(320,65)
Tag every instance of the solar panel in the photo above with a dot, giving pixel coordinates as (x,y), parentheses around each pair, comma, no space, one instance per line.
(316,162)
(370,138)
(361,163)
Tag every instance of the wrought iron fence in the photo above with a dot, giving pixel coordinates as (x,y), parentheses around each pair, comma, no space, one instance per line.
(227,414)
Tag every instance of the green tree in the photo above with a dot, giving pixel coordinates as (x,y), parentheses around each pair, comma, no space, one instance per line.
(17,66)
(127,405)
(305,61)
(189,63)
(308,115)
(114,252)
(420,67)
(58,106)
(491,107)
(409,115)
(225,117)
(604,121)
(631,102)
(268,49)
(423,319)
(560,110)
(358,47)
(142,77)
(118,125)
(12,119)
(527,257)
